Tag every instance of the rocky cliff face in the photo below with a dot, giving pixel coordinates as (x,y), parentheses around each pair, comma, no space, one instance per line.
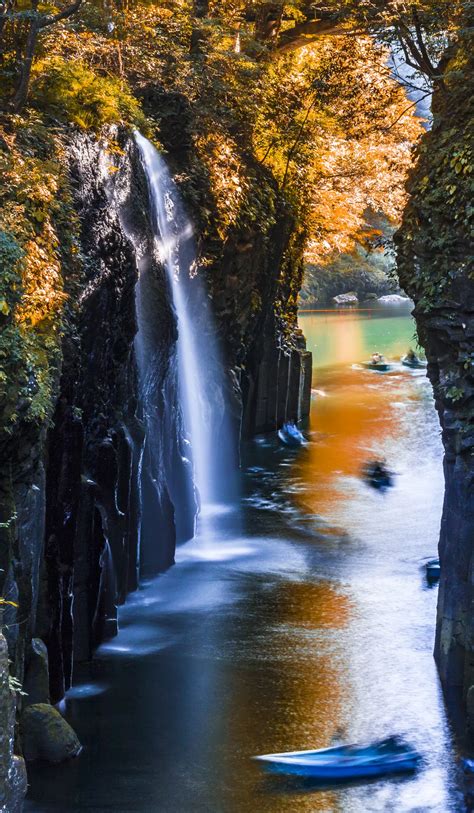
(95,445)
(71,540)
(436,269)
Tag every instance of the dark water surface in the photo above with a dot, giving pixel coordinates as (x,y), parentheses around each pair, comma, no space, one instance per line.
(303,616)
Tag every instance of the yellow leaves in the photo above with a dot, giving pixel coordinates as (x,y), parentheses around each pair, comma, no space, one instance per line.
(460,163)
(42,280)
(38,214)
(4,601)
(29,197)
(229,185)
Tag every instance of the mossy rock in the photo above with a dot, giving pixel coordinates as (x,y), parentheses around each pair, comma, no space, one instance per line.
(46,735)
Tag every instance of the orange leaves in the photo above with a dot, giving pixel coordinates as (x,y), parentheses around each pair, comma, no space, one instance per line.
(229,184)
(42,280)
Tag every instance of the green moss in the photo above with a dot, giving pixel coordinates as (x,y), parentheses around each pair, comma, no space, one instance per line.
(39,261)
(438,226)
(74,92)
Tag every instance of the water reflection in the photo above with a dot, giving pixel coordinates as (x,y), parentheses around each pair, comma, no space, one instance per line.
(315,622)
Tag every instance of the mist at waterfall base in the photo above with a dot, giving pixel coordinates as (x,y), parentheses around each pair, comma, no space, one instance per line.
(210,443)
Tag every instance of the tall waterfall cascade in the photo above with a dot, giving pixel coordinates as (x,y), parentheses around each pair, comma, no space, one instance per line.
(200,372)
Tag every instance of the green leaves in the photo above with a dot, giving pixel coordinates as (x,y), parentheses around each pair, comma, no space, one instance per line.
(74,92)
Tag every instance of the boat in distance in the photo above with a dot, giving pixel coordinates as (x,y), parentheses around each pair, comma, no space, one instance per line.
(413,361)
(378,363)
(346,762)
(290,435)
(433,570)
(378,366)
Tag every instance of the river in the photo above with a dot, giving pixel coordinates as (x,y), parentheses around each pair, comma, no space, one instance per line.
(306,616)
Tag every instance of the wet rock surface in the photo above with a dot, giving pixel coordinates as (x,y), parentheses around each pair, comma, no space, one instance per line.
(97,444)
(36,683)
(71,502)
(18,785)
(12,767)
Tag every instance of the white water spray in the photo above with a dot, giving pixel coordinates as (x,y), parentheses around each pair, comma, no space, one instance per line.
(201,394)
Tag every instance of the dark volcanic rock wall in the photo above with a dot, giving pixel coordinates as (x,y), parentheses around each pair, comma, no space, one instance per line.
(97,457)
(436,263)
(94,447)
(71,494)
(276,382)
(255,286)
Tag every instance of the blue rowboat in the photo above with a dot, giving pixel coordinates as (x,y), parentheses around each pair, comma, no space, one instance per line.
(377,475)
(346,762)
(290,435)
(378,366)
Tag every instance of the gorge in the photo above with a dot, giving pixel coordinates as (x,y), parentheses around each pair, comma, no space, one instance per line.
(161,195)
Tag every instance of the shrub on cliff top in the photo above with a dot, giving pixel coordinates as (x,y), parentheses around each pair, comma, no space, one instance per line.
(72,91)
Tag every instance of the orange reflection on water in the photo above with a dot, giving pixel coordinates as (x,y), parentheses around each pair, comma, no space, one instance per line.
(301,628)
(350,423)
(306,705)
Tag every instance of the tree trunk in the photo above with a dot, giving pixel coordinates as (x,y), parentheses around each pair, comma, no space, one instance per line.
(21,94)
(198,35)
(268,21)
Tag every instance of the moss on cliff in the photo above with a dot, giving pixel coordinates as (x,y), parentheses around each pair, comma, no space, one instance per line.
(435,255)
(436,266)
(40,264)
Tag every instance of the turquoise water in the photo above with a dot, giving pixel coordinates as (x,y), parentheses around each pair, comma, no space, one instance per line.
(348,336)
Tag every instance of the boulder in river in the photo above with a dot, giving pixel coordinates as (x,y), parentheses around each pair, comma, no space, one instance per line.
(393,299)
(350,298)
(46,735)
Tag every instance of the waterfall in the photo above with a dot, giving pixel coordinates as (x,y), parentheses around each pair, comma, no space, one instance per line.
(201,379)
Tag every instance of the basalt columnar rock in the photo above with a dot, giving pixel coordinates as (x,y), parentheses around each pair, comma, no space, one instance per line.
(12,766)
(436,263)
(96,446)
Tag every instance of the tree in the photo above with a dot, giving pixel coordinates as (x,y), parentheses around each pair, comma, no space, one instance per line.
(421,28)
(36,23)
(198,35)
(268,19)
